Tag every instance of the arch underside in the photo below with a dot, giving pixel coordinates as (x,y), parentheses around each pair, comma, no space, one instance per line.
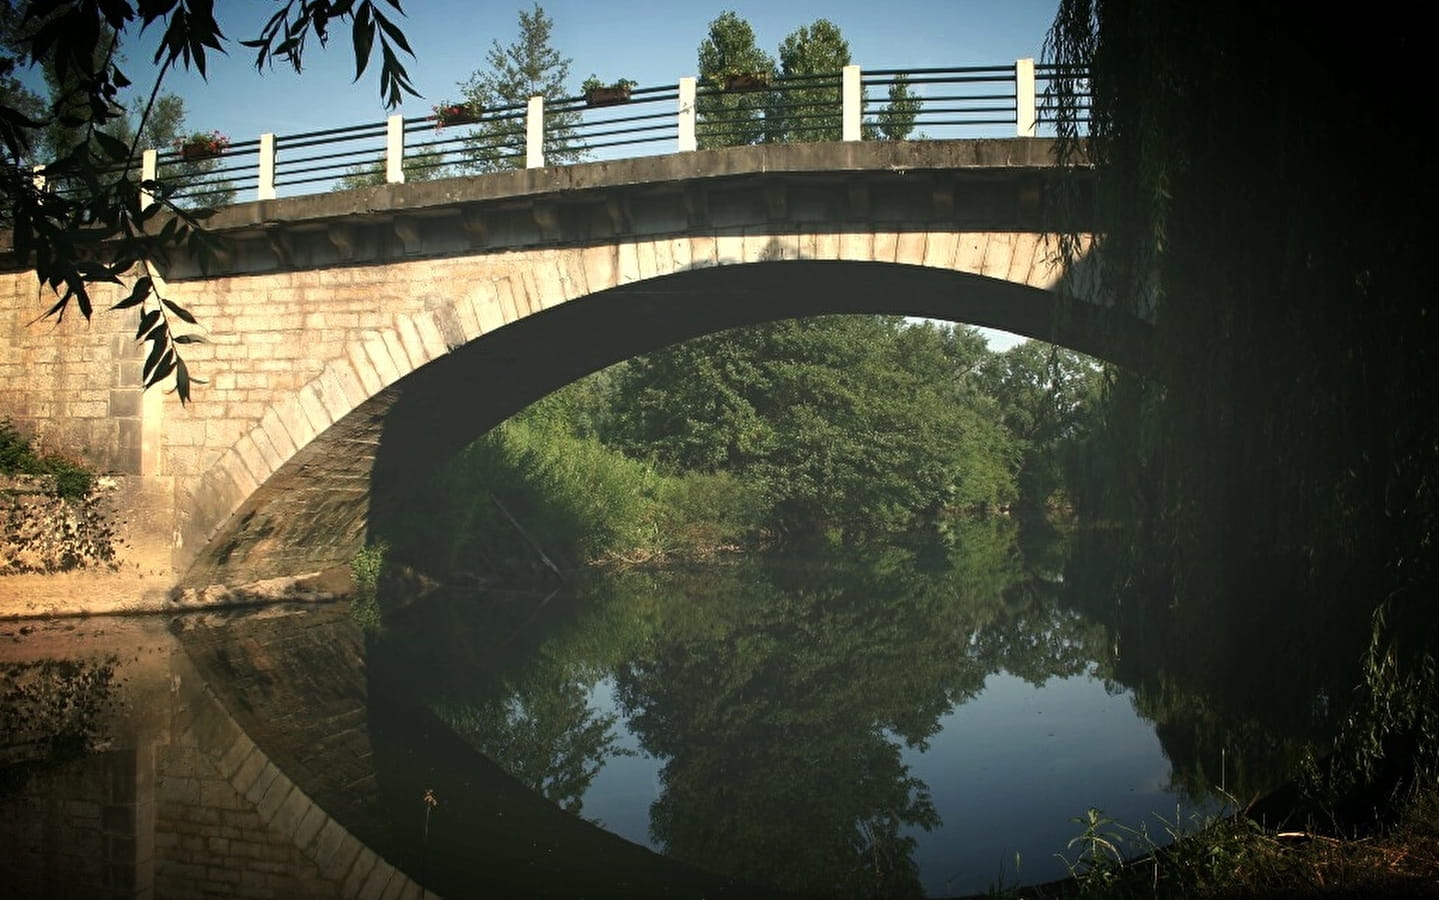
(313,512)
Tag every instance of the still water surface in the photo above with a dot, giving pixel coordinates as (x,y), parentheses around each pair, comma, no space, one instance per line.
(917,720)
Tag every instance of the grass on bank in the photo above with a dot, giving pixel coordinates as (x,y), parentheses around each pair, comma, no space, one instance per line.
(525,499)
(1235,856)
(17,457)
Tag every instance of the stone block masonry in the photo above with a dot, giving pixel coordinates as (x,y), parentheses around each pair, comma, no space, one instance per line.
(331,310)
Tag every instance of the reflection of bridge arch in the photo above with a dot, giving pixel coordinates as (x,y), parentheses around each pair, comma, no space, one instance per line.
(355,339)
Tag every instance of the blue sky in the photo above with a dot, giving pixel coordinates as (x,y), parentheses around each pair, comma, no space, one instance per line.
(649,42)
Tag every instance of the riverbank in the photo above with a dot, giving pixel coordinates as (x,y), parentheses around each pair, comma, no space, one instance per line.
(96,593)
(1240,857)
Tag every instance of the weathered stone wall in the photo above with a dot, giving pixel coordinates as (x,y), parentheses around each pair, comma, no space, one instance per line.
(107,553)
(43,532)
(73,385)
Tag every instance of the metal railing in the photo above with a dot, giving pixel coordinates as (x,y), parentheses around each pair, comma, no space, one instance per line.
(951,102)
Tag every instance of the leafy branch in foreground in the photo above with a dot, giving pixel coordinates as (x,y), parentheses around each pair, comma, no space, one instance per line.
(84,218)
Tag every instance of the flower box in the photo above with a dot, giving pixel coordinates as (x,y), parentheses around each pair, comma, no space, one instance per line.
(199,151)
(610,95)
(455,114)
(746,81)
(202,145)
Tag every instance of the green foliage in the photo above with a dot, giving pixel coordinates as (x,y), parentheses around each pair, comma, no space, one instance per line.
(73,481)
(1047,396)
(805,109)
(366,570)
(543,483)
(374,174)
(857,424)
(727,119)
(895,120)
(526,68)
(814,53)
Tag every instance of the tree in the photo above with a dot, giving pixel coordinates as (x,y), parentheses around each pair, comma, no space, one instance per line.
(809,410)
(1285,441)
(527,68)
(374,173)
(814,56)
(730,119)
(79,41)
(807,108)
(1047,397)
(895,121)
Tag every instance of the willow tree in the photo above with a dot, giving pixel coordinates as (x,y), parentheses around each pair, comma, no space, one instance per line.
(1263,184)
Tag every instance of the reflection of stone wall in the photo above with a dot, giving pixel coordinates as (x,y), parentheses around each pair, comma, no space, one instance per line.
(151,788)
(245,828)
(40,532)
(211,842)
(96,842)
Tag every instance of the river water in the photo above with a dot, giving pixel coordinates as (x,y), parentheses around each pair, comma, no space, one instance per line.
(923,719)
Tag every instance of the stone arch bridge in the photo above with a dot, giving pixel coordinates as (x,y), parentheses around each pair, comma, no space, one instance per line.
(357,339)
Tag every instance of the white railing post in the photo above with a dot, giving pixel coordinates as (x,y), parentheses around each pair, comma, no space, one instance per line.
(535,133)
(395,150)
(852,93)
(266,186)
(687,114)
(149,168)
(1026,124)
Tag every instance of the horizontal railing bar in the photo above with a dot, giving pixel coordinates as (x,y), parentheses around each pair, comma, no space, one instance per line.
(325,132)
(616,121)
(942,69)
(969,122)
(604,144)
(945,110)
(816,106)
(652,128)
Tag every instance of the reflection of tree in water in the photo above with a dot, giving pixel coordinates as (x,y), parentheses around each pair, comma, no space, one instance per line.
(781,691)
(1242,685)
(542,732)
(781,697)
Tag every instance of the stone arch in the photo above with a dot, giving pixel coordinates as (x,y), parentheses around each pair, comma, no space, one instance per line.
(295,489)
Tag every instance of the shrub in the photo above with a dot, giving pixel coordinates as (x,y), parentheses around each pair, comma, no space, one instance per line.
(72,480)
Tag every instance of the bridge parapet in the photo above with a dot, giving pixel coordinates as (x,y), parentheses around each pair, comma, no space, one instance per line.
(955,102)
